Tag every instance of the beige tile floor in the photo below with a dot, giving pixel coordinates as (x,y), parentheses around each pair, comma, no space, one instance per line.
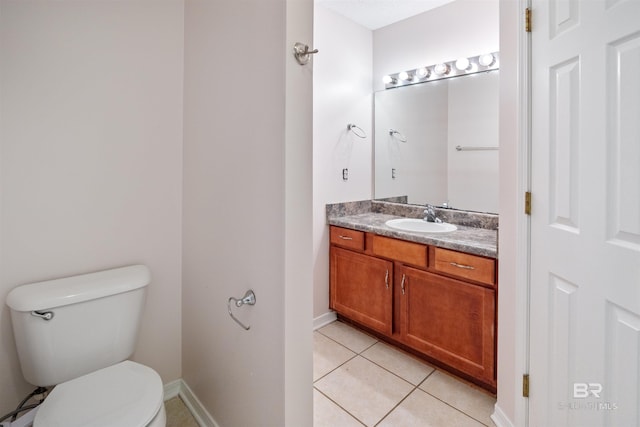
(359,380)
(177,414)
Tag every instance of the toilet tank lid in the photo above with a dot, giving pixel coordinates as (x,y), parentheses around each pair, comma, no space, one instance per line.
(75,289)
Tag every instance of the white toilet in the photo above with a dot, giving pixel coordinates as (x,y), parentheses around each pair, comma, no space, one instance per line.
(76,333)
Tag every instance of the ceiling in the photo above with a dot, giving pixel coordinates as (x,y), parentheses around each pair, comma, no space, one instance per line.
(374,14)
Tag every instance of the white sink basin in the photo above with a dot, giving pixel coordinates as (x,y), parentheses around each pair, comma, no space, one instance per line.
(420,225)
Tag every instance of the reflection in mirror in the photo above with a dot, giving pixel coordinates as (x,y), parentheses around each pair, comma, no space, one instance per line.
(435,118)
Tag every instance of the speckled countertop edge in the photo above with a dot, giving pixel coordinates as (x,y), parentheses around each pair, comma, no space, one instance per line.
(473,240)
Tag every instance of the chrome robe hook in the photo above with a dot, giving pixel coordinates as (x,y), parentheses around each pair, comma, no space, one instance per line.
(302,53)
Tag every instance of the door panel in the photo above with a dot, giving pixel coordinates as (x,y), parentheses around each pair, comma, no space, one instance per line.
(361,288)
(585,223)
(449,320)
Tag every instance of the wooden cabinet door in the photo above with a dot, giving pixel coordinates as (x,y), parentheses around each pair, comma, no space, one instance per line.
(449,320)
(361,288)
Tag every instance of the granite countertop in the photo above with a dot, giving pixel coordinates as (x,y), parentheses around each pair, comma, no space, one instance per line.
(477,241)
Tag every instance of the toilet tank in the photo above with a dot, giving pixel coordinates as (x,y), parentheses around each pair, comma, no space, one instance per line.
(94,321)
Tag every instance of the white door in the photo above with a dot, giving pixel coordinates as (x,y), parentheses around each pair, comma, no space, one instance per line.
(585,224)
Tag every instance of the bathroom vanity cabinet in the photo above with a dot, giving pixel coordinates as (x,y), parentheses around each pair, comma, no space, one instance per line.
(435,302)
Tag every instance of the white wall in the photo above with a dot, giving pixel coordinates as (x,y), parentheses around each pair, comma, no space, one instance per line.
(247,211)
(341,95)
(90,161)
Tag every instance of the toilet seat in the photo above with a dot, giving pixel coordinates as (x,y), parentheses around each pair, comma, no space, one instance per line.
(126,394)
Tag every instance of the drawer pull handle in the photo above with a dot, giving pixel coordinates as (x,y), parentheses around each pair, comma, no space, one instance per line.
(466,267)
(386,279)
(402,284)
(346,237)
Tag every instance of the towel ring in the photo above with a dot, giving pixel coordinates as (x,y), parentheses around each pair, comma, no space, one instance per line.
(249,298)
(397,135)
(357,131)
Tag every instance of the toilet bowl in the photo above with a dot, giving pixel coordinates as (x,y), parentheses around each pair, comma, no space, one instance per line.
(76,333)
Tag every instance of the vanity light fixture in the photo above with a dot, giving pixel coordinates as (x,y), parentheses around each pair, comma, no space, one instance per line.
(444,70)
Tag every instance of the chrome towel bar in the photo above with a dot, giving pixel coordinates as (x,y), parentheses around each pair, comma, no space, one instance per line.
(461,148)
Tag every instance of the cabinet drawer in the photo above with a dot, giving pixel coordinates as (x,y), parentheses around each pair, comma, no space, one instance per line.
(347,238)
(463,265)
(400,250)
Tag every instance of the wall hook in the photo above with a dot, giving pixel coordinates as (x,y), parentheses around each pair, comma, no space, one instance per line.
(302,53)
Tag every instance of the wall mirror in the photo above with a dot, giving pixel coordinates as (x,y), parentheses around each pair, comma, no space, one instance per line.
(437,142)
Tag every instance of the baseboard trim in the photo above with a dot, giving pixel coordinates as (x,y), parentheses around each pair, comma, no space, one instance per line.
(172,389)
(499,418)
(193,404)
(324,319)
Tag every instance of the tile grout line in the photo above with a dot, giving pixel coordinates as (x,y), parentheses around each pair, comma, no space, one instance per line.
(397,404)
(355,354)
(457,409)
(337,367)
(447,403)
(376,340)
(416,387)
(397,375)
(339,406)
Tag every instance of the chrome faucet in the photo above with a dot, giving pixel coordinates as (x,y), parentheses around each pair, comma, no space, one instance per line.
(430,215)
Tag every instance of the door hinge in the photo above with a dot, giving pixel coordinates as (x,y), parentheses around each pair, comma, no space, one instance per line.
(527,203)
(527,20)
(525,385)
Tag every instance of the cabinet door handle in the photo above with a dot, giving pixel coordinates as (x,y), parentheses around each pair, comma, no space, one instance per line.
(467,267)
(386,279)
(402,284)
(346,237)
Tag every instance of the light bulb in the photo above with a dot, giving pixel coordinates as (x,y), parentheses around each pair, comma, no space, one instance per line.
(404,76)
(487,60)
(442,69)
(388,80)
(422,72)
(462,64)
